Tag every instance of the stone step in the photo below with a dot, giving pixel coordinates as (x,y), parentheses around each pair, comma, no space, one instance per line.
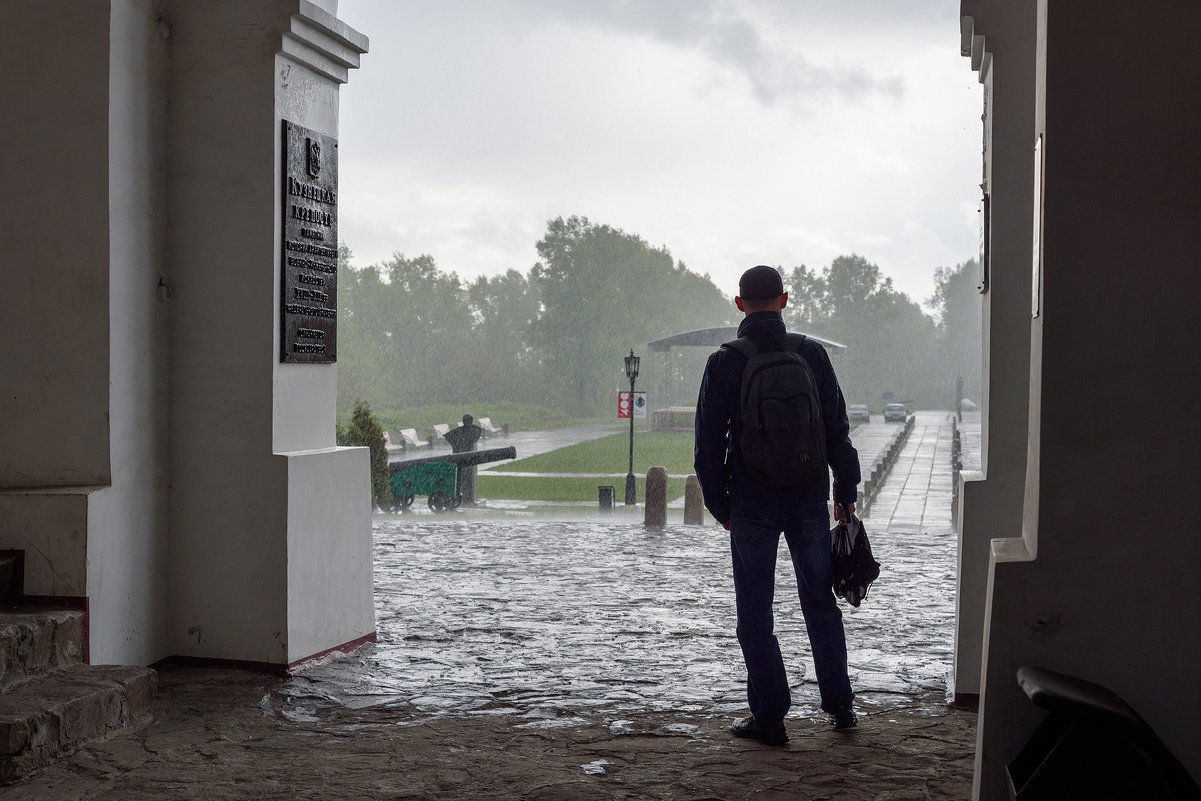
(36,642)
(50,716)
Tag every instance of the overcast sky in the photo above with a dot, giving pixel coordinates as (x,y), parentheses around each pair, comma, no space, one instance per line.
(733,132)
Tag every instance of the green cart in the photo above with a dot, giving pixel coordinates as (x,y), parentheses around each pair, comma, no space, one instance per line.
(437,477)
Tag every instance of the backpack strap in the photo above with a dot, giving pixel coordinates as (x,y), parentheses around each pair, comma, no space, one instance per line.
(744,345)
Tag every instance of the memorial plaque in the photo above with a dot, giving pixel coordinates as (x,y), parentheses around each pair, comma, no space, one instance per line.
(308,309)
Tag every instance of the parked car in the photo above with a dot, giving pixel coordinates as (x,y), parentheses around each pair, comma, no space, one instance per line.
(858,413)
(895,413)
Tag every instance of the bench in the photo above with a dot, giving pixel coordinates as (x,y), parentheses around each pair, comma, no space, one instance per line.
(412,440)
(489,429)
(390,446)
(1092,744)
(439,432)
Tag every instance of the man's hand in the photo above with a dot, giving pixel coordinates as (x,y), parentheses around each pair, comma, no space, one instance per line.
(726,525)
(842,513)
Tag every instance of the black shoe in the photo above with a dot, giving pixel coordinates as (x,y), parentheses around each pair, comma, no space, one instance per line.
(844,718)
(753,729)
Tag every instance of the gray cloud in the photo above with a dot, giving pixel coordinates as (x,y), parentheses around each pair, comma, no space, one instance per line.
(732,39)
(472,123)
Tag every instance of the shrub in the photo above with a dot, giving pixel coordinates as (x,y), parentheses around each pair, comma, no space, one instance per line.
(364,429)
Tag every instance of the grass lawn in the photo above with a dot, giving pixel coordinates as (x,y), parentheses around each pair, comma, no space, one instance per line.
(547,488)
(611,454)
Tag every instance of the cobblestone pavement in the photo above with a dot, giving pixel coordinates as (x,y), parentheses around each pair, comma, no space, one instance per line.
(553,620)
(574,660)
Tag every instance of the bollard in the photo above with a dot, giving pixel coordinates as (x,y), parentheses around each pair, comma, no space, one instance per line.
(694,502)
(605,497)
(655,513)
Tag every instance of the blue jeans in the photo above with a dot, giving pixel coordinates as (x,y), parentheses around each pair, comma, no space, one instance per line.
(754,540)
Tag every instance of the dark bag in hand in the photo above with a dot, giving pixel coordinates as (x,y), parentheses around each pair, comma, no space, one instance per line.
(854,566)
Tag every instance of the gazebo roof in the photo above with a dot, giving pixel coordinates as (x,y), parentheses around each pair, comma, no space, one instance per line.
(713,337)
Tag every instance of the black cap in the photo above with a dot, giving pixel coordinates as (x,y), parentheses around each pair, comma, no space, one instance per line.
(760,283)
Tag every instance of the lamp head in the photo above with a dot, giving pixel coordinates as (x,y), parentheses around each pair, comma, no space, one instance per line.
(632,366)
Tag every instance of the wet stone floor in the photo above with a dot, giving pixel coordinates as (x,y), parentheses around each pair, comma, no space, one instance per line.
(530,659)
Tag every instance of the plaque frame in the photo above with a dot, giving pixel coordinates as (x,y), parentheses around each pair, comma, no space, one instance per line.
(308,274)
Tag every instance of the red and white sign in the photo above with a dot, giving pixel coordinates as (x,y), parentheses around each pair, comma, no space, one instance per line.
(623,405)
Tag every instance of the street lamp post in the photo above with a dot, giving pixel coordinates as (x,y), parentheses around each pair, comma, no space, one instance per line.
(631,373)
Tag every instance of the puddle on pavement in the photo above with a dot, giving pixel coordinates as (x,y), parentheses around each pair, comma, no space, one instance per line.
(557,621)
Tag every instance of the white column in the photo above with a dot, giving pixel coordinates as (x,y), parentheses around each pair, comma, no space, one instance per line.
(271,538)
(1000,40)
(83,417)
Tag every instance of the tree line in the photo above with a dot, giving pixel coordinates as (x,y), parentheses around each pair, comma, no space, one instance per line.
(412,334)
(894,348)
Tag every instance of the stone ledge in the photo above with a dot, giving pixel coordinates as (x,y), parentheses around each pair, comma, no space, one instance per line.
(322,42)
(48,717)
(34,643)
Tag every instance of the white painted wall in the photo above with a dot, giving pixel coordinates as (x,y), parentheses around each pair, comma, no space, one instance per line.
(127,522)
(303,416)
(330,584)
(1102,584)
(330,576)
(88,389)
(54,393)
(228,508)
(242,542)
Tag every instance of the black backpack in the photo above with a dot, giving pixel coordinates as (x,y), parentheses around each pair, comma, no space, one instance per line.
(781,436)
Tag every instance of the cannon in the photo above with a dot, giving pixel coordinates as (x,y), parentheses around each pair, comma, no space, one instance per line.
(437,477)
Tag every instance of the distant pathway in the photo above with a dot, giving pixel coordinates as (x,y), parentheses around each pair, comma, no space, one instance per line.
(527,443)
(918,490)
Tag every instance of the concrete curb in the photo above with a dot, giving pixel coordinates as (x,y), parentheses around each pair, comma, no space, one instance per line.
(956,469)
(883,465)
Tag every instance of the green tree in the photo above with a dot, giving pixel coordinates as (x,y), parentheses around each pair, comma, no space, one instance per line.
(806,299)
(428,326)
(412,334)
(956,300)
(363,353)
(889,339)
(603,293)
(503,309)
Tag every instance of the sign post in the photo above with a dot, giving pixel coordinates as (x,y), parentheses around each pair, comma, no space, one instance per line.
(631,409)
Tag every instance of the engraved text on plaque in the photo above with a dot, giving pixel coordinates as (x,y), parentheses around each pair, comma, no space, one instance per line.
(309,272)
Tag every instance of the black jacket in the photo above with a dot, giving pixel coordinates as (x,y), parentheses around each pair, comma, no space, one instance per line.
(717,459)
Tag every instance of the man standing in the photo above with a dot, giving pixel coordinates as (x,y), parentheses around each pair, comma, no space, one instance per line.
(755,509)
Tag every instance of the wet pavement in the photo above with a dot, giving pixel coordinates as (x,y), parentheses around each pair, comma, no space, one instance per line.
(554,620)
(539,659)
